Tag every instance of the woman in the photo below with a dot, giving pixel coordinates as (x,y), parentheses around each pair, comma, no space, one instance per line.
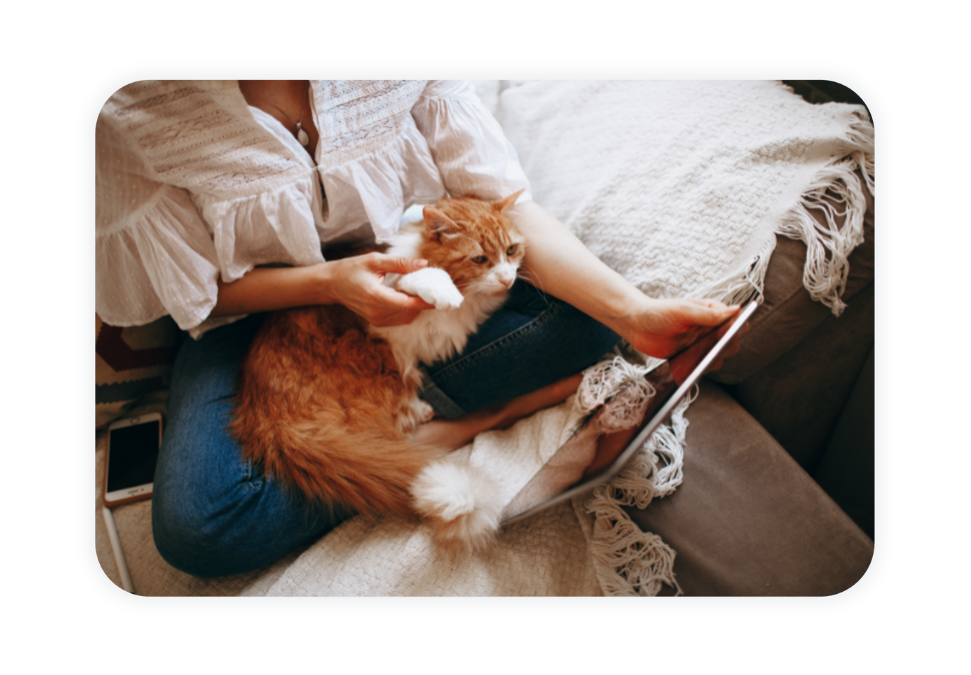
(203,184)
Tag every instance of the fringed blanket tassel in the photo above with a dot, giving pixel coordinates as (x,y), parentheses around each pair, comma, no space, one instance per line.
(627,560)
(828,245)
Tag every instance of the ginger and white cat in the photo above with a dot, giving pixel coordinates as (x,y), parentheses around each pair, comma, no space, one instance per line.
(327,403)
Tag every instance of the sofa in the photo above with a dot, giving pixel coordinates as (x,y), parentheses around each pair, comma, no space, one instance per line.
(777,495)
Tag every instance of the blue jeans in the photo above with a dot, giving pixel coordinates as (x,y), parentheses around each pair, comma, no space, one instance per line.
(213,513)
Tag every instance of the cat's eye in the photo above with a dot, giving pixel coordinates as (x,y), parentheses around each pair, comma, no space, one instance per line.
(479,259)
(512,250)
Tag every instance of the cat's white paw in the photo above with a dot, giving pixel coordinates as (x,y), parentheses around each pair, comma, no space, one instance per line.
(422,410)
(432,285)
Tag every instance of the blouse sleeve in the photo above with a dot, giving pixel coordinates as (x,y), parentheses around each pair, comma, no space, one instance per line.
(467,143)
(154,253)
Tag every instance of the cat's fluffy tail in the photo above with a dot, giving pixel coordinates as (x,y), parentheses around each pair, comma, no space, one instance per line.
(461,501)
(372,473)
(368,472)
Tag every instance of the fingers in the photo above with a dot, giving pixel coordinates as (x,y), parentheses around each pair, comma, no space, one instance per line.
(730,349)
(401,301)
(666,327)
(735,344)
(398,299)
(393,308)
(386,264)
(378,304)
(709,312)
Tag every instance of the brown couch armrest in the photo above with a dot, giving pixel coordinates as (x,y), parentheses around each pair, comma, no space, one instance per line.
(748,520)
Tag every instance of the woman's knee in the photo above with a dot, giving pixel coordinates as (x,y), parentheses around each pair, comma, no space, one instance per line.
(558,327)
(240,529)
(537,341)
(576,339)
(193,541)
(206,523)
(593,339)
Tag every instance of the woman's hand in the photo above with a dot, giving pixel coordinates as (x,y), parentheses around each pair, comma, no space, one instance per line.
(358,284)
(662,328)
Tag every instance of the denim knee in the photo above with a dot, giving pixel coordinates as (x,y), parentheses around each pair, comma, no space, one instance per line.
(191,542)
(244,528)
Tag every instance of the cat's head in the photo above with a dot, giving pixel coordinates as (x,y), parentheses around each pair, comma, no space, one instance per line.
(475,242)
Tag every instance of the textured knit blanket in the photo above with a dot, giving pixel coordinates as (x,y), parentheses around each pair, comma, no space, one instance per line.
(681,187)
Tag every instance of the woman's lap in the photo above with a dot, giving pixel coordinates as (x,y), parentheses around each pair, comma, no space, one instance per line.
(532,341)
(214,514)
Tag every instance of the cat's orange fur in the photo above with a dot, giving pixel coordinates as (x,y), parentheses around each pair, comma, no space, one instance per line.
(322,404)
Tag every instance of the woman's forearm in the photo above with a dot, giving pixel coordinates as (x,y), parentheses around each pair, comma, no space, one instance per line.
(561,265)
(355,282)
(558,262)
(268,288)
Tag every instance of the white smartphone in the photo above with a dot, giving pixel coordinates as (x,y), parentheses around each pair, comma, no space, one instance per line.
(133,445)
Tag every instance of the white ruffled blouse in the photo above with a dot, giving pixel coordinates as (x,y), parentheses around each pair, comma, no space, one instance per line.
(193,184)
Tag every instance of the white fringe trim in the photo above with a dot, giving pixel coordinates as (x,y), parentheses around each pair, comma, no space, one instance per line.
(627,560)
(828,246)
(603,380)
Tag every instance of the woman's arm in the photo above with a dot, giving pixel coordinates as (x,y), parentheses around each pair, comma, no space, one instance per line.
(562,266)
(353,282)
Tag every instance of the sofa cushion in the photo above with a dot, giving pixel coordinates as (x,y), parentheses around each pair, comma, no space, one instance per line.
(800,396)
(787,313)
(748,520)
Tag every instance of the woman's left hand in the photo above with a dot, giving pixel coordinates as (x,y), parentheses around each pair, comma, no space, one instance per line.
(662,328)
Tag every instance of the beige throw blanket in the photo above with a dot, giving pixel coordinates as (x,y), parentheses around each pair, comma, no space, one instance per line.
(680,186)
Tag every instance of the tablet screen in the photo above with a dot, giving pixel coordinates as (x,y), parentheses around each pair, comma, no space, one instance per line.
(591,457)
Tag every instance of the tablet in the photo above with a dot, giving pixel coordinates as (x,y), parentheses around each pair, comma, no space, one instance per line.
(591,457)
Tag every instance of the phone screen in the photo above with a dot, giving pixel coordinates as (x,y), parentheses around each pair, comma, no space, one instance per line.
(134,451)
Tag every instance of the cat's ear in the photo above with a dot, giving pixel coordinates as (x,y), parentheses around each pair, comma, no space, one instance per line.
(437,223)
(504,204)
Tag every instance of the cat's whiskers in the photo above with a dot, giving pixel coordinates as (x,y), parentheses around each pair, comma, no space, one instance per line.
(531,278)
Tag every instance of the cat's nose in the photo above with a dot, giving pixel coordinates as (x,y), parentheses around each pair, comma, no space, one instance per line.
(506,277)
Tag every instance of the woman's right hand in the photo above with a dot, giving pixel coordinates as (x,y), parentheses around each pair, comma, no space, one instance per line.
(358,284)
(355,282)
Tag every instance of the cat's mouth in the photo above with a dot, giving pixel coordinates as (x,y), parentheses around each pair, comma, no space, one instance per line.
(492,290)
